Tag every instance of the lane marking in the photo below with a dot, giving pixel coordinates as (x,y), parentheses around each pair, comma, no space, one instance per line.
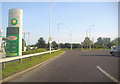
(108,75)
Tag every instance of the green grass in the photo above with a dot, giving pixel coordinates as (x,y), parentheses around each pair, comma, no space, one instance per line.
(102,49)
(15,66)
(33,51)
(95,49)
(64,48)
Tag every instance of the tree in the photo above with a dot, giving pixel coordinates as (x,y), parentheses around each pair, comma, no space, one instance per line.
(61,45)
(54,44)
(99,43)
(76,45)
(106,41)
(86,42)
(103,43)
(41,43)
(116,41)
(67,45)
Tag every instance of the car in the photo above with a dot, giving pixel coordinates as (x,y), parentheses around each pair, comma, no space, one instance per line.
(115,51)
(47,49)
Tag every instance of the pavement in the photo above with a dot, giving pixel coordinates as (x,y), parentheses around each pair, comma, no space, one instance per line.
(75,66)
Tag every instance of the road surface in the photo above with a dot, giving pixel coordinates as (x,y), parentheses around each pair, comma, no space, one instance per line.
(75,66)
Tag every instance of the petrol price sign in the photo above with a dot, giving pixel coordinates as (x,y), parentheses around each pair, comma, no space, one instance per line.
(12,42)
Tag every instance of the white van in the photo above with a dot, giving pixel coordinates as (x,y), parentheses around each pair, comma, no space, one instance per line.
(115,51)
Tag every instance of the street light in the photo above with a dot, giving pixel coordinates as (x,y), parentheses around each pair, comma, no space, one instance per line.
(71,38)
(29,38)
(1,37)
(50,39)
(24,33)
(58,33)
(90,34)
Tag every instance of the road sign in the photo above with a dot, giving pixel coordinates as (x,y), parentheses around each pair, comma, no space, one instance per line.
(12,42)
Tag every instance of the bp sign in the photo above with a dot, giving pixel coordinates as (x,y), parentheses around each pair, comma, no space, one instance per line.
(12,45)
(14,21)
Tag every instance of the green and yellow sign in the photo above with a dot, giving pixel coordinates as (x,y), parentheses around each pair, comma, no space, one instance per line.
(14,21)
(12,42)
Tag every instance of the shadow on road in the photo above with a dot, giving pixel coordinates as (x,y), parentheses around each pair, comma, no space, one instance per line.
(101,55)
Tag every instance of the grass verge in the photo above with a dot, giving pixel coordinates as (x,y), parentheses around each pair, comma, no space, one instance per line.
(95,49)
(34,51)
(15,66)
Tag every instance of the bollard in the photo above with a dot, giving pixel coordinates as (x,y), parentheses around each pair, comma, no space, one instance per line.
(20,61)
(30,57)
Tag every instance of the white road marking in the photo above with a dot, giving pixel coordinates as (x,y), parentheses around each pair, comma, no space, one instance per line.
(108,75)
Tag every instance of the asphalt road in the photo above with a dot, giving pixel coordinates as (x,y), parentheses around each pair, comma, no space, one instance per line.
(75,66)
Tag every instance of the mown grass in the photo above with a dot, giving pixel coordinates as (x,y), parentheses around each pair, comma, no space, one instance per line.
(64,49)
(34,51)
(13,67)
(95,49)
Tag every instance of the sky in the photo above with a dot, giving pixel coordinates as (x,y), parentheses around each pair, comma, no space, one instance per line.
(77,18)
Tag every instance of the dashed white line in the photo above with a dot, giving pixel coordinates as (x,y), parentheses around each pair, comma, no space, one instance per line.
(108,75)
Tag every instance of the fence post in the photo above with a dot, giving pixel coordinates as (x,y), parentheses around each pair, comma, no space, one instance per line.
(30,57)
(20,61)
(3,65)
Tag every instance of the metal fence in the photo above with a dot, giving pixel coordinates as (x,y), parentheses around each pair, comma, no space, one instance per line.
(3,61)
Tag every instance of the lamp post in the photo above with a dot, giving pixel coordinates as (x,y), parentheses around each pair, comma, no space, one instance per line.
(87,36)
(24,33)
(93,42)
(90,34)
(82,45)
(29,38)
(71,38)
(58,33)
(1,37)
(50,39)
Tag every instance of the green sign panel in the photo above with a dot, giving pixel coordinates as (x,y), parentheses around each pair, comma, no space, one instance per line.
(12,42)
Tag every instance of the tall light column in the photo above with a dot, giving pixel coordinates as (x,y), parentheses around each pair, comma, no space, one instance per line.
(71,39)
(1,38)
(50,39)
(87,36)
(93,42)
(58,33)
(90,35)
